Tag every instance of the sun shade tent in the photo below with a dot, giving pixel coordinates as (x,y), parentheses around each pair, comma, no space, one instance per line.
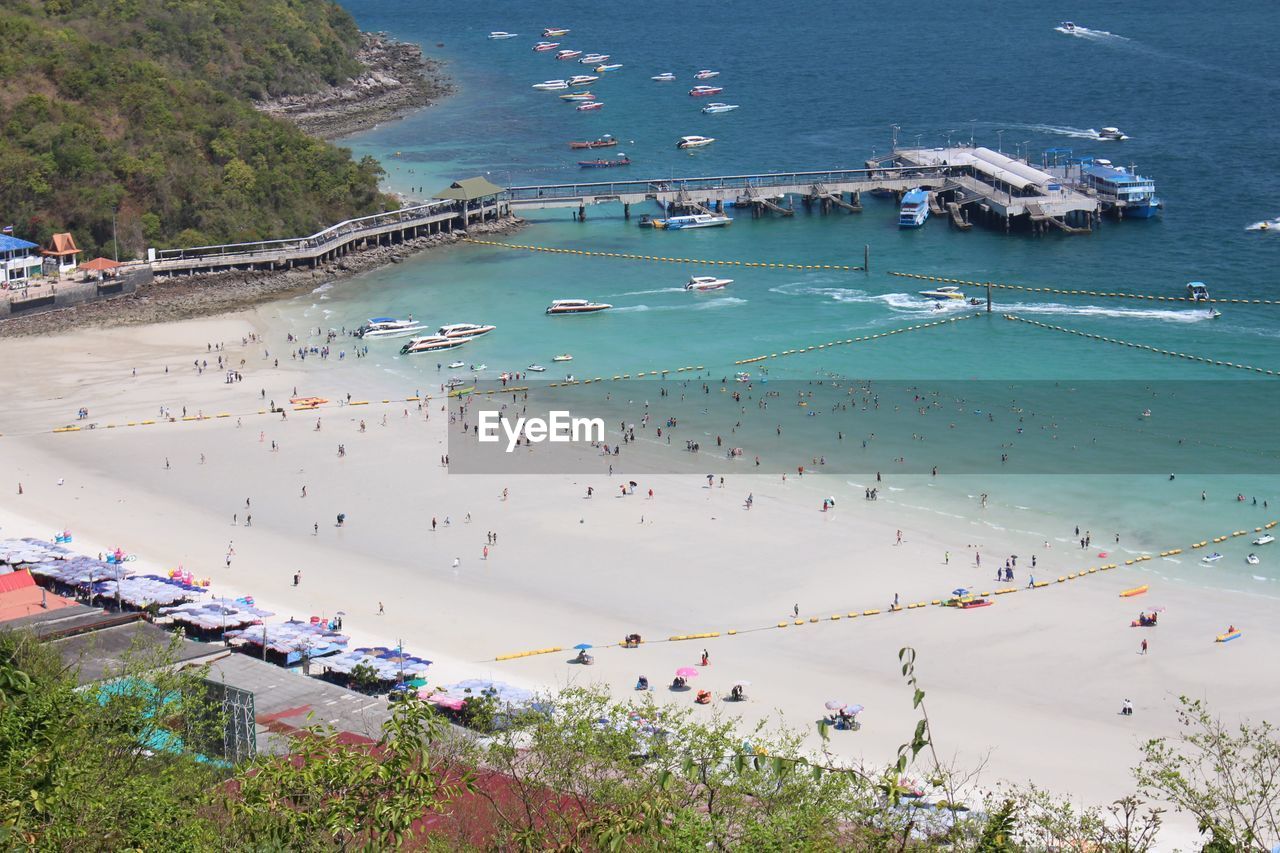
(469,189)
(100,265)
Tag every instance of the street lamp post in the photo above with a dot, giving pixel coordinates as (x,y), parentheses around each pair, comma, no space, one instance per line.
(115,246)
(1000,141)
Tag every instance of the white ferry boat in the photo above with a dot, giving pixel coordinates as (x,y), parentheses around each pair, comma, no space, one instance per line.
(915,209)
(576,306)
(430,343)
(466,331)
(697,220)
(389,327)
(707,282)
(695,141)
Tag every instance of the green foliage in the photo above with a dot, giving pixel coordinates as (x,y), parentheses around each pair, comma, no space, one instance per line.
(364,677)
(142,106)
(1228,778)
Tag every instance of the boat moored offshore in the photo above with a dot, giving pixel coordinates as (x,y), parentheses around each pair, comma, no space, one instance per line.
(605,141)
(582,80)
(601,69)
(555,32)
(431,343)
(1130,193)
(590,105)
(594,58)
(695,141)
(550,85)
(465,331)
(664,77)
(706,74)
(389,327)
(621,160)
(499,34)
(568,54)
(705,91)
(718,107)
(576,306)
(697,220)
(544,46)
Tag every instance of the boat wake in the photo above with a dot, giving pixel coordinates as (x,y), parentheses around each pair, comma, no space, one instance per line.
(1086,33)
(1057,130)
(701,305)
(647,292)
(1265,225)
(1164,314)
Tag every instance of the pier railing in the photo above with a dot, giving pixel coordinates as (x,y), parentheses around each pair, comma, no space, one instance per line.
(769,180)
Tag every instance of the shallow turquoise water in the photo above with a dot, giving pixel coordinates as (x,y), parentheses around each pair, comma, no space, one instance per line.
(820,90)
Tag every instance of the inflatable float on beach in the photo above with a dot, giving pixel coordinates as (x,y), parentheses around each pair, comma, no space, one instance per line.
(1137,590)
(1228,637)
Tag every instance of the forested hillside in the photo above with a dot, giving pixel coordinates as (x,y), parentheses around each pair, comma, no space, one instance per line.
(144,106)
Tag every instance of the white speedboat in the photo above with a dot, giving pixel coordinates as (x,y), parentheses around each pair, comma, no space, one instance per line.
(1264,539)
(454,365)
(582,80)
(947,291)
(601,69)
(697,220)
(1212,558)
(718,107)
(706,74)
(536,368)
(564,356)
(464,330)
(576,306)
(1112,133)
(499,34)
(568,54)
(478,367)
(664,77)
(590,105)
(594,58)
(550,85)
(1066,27)
(430,343)
(578,96)
(555,32)
(1252,559)
(705,91)
(544,46)
(389,327)
(695,141)
(707,282)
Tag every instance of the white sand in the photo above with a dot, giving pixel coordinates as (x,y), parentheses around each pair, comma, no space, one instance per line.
(1033,684)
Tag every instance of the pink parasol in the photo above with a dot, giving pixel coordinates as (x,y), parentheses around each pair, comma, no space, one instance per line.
(687,672)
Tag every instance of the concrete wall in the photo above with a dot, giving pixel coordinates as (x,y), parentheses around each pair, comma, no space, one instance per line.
(65,294)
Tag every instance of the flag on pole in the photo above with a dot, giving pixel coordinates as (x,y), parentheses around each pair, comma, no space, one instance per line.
(8,229)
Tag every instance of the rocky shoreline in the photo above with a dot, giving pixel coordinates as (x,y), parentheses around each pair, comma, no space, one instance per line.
(398,80)
(185,297)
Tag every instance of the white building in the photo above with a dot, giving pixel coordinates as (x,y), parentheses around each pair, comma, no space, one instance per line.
(20,261)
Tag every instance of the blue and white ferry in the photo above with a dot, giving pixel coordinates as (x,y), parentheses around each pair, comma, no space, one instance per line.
(1133,195)
(915,209)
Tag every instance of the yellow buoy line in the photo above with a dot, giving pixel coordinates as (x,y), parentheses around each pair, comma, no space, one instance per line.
(858,614)
(858,340)
(633,257)
(1131,344)
(1066,292)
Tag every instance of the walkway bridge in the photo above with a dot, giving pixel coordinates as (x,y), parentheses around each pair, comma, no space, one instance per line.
(726,188)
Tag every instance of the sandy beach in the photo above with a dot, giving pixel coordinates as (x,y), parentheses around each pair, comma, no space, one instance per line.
(1031,686)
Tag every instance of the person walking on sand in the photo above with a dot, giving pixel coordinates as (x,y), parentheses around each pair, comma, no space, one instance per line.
(486,552)
(381,610)
(796,610)
(1144,648)
(433,524)
(946,558)
(304,491)
(899,542)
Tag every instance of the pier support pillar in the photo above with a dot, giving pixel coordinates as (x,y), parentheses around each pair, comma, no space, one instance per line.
(626,210)
(720,206)
(582,213)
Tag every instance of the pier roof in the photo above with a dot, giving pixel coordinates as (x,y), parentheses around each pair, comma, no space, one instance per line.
(469,189)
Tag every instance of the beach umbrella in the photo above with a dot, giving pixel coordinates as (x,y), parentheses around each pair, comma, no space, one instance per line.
(687,672)
(853,709)
(834,704)
(583,646)
(960,591)
(742,682)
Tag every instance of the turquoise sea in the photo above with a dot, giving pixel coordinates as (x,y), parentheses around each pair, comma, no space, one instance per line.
(819,87)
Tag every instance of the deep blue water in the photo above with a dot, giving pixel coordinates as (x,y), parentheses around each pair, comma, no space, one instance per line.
(819,86)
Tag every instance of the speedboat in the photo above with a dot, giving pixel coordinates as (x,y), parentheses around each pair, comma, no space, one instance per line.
(1112,133)
(564,356)
(697,220)
(622,160)
(582,80)
(1252,559)
(1264,539)
(706,74)
(600,69)
(594,58)
(479,367)
(466,331)
(576,306)
(544,46)
(606,141)
(454,365)
(718,107)
(536,368)
(431,343)
(578,96)
(947,291)
(454,381)
(707,282)
(555,32)
(705,91)
(499,34)
(568,54)
(389,327)
(1197,291)
(550,85)
(590,105)
(1212,558)
(1066,27)
(695,141)
(664,77)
